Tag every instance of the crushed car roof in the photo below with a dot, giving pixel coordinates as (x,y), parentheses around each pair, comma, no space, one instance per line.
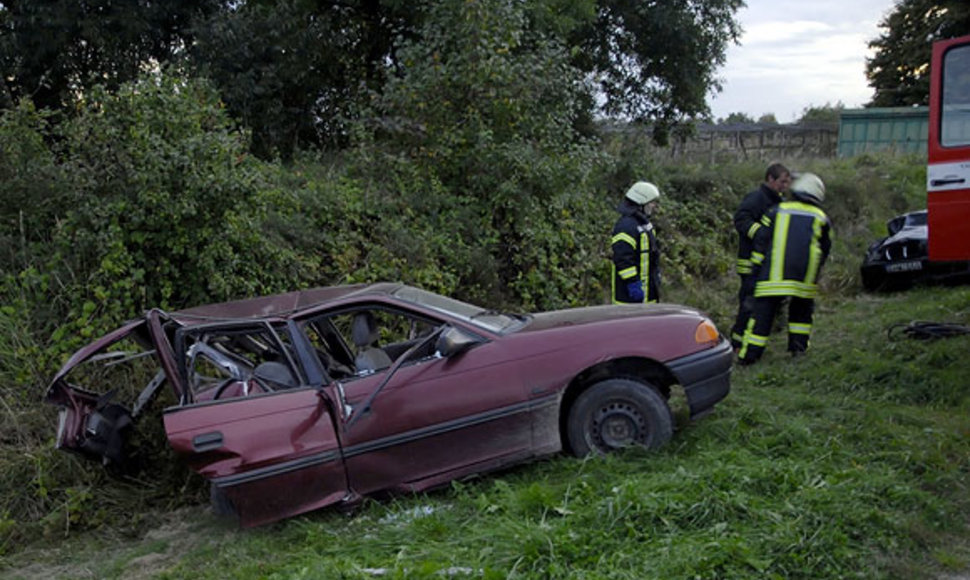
(280,305)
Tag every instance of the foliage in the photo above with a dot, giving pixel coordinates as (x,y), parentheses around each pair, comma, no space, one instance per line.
(51,52)
(736,118)
(487,111)
(827,113)
(302,68)
(166,206)
(899,71)
(296,72)
(656,61)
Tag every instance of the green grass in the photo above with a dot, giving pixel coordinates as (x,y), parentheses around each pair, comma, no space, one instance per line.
(849,463)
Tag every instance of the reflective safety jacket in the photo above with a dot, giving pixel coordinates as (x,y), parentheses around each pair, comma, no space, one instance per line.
(635,255)
(790,249)
(747,222)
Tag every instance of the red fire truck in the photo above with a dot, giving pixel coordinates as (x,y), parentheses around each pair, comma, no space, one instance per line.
(934,244)
(948,171)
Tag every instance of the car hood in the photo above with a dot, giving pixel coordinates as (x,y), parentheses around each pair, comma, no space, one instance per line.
(918,233)
(598,314)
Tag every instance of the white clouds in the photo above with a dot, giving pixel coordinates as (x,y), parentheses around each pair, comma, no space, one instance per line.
(797,54)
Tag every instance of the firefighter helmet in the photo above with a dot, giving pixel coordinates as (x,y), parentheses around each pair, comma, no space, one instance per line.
(809,185)
(642,193)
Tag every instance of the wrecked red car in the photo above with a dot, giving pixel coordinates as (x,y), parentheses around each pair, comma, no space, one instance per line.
(297,401)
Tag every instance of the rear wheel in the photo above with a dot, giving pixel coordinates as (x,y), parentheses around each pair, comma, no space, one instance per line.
(617,413)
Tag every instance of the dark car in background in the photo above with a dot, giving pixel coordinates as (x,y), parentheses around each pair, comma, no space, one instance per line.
(292,402)
(901,259)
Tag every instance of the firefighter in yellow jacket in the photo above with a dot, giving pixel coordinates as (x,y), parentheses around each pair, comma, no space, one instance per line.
(636,257)
(788,255)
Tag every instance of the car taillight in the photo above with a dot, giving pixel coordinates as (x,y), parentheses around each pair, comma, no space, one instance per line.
(706,333)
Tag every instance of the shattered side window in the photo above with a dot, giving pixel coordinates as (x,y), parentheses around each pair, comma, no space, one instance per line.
(226,363)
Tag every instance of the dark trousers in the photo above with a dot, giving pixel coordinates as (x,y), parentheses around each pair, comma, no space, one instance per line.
(745,304)
(764,309)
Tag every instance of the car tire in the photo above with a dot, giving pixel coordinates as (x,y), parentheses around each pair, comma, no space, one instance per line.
(617,413)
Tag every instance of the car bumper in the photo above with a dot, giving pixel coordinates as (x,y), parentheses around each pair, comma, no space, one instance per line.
(705,376)
(896,274)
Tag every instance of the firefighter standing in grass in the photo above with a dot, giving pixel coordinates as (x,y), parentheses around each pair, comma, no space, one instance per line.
(747,222)
(636,258)
(789,252)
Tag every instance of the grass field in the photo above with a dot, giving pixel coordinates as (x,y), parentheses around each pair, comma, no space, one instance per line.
(849,463)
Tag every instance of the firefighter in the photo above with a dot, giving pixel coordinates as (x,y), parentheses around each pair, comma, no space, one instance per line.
(747,221)
(789,252)
(636,258)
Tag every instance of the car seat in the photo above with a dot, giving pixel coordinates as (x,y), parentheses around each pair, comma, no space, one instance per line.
(364,333)
(277,374)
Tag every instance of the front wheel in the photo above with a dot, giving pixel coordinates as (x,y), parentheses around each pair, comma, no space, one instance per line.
(617,413)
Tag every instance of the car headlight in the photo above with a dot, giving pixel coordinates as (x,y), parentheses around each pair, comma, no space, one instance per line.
(706,333)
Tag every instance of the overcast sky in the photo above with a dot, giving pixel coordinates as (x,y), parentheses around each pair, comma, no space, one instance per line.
(796,54)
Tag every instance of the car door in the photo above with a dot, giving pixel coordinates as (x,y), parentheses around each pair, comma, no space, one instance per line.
(257,420)
(426,419)
(948,172)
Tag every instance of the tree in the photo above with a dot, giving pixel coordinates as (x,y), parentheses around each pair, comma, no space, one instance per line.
(52,50)
(656,61)
(899,71)
(827,113)
(486,107)
(295,71)
(736,118)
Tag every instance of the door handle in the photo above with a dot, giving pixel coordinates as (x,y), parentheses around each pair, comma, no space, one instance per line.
(947,181)
(207,441)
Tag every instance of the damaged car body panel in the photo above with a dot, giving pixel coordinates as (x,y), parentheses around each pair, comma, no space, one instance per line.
(297,401)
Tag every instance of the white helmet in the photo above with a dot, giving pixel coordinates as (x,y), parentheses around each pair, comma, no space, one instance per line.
(642,193)
(809,185)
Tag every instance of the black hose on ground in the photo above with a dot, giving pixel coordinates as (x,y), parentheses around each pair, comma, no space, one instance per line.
(925,330)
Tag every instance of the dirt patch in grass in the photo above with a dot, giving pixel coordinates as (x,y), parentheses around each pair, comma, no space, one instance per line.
(156,550)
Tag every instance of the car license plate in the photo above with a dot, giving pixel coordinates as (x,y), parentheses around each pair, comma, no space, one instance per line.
(905,266)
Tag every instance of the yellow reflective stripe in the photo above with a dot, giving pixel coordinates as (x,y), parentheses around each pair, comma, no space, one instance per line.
(754,228)
(624,237)
(746,340)
(644,258)
(757,258)
(613,282)
(798,328)
(756,340)
(628,273)
(806,208)
(778,243)
(814,252)
(785,288)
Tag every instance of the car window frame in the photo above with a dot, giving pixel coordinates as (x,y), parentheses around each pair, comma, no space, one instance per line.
(296,356)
